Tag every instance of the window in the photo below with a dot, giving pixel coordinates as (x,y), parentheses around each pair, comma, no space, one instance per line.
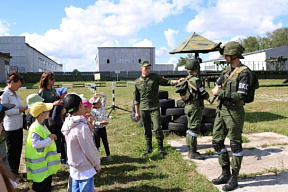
(121,61)
(114,61)
(108,61)
(127,61)
(132,61)
(139,60)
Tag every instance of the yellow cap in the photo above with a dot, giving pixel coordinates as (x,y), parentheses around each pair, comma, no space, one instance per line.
(40,107)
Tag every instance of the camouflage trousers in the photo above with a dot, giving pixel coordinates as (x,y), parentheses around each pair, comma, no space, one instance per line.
(229,121)
(194,118)
(147,118)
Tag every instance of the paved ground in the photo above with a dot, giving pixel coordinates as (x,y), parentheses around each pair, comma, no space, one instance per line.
(264,151)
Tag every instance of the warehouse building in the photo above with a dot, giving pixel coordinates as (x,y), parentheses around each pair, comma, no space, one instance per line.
(127,59)
(4,66)
(26,58)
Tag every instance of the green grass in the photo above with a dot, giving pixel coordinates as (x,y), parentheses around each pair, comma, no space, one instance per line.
(130,171)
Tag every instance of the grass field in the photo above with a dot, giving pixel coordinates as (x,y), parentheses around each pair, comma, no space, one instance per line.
(130,171)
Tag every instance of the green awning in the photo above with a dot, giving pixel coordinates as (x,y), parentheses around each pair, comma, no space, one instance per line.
(195,43)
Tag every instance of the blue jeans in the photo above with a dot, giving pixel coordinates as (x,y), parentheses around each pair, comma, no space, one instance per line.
(86,185)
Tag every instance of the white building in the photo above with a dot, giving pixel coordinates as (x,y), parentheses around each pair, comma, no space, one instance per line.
(127,59)
(26,58)
(254,60)
(4,66)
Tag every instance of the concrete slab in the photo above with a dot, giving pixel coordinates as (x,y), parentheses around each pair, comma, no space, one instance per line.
(265,151)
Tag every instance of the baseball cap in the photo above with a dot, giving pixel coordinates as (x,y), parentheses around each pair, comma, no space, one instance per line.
(6,106)
(86,103)
(33,98)
(145,63)
(94,100)
(39,107)
(61,90)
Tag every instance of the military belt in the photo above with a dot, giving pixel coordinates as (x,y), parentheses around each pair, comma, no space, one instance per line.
(233,103)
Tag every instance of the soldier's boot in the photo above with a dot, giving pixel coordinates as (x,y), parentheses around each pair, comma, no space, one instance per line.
(161,148)
(224,177)
(195,155)
(232,182)
(149,148)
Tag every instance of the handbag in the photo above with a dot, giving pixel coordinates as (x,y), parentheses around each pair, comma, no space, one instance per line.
(24,121)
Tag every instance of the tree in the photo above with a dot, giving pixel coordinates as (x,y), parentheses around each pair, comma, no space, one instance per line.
(265,43)
(75,71)
(251,44)
(182,60)
(278,37)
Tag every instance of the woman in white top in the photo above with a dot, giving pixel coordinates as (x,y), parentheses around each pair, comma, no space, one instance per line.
(13,121)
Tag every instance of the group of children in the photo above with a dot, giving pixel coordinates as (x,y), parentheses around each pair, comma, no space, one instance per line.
(82,125)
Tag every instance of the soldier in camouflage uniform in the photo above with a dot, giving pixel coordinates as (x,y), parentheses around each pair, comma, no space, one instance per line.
(193,108)
(231,89)
(146,95)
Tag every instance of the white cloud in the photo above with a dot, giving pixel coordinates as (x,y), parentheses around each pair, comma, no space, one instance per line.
(162,52)
(83,30)
(236,17)
(4,27)
(173,60)
(144,43)
(170,37)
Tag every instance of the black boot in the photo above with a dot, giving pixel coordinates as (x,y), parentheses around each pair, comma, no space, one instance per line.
(224,177)
(195,155)
(149,148)
(161,148)
(232,183)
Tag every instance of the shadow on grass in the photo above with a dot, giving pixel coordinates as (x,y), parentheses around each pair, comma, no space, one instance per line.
(254,117)
(145,188)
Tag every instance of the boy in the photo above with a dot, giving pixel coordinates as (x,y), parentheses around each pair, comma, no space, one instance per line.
(41,156)
(83,156)
(99,114)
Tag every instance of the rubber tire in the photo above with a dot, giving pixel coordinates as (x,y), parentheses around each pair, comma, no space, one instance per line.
(206,127)
(209,112)
(175,111)
(166,103)
(177,126)
(163,94)
(208,119)
(181,119)
(180,103)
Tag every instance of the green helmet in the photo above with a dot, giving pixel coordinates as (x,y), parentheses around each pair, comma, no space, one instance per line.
(192,64)
(233,48)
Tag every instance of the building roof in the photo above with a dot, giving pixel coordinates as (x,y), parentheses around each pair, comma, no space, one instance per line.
(7,55)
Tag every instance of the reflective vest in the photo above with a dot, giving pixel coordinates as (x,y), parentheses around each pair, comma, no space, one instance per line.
(41,162)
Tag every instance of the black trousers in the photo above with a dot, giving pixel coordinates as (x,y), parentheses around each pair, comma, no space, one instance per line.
(44,186)
(101,133)
(14,147)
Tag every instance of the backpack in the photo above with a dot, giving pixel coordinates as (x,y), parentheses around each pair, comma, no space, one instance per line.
(183,89)
(254,83)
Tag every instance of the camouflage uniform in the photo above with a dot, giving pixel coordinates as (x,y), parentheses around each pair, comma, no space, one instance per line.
(146,95)
(193,110)
(229,120)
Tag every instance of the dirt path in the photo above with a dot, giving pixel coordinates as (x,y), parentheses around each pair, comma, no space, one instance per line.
(265,151)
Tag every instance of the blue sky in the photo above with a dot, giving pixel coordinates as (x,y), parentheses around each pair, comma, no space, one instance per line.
(69,31)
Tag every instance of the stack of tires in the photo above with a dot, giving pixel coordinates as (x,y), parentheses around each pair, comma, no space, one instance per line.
(173,117)
(179,120)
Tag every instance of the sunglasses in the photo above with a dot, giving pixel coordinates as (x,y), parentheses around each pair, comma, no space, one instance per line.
(52,79)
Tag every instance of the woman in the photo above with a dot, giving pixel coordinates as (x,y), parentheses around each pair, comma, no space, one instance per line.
(13,121)
(48,93)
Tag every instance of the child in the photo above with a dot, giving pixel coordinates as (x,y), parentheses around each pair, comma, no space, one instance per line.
(41,156)
(57,119)
(99,114)
(83,156)
(90,119)
(30,100)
